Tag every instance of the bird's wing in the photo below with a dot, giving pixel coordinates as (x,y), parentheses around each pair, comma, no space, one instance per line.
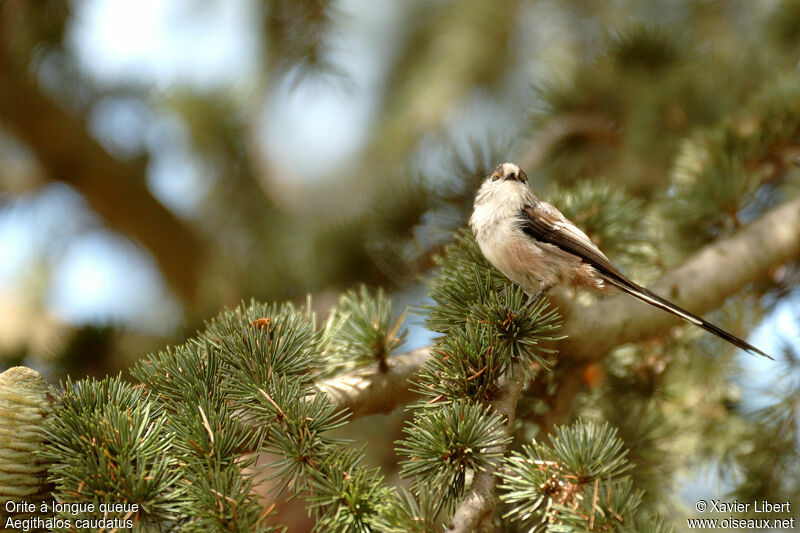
(545,223)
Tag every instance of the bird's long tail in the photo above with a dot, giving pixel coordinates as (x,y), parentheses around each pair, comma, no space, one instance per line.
(655,300)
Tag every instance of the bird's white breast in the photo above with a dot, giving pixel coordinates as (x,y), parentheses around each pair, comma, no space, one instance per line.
(495,221)
(497,225)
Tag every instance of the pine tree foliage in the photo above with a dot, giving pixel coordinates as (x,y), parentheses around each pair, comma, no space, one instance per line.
(719,173)
(348,498)
(446,444)
(298,33)
(466,365)
(489,327)
(412,512)
(487,322)
(362,330)
(110,444)
(577,483)
(616,221)
(243,385)
(648,48)
(463,289)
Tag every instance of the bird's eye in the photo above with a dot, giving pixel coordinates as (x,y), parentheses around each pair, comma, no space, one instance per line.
(495,177)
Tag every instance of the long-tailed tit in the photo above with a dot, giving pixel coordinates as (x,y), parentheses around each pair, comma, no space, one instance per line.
(535,246)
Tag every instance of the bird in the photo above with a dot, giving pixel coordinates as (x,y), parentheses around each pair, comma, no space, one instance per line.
(534,245)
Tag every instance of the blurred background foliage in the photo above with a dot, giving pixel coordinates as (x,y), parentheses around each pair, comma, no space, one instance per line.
(161,160)
(164,160)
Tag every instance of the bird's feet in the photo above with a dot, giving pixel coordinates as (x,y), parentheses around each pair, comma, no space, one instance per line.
(540,294)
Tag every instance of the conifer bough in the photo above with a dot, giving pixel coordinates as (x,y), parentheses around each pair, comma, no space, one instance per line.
(258,362)
(702,282)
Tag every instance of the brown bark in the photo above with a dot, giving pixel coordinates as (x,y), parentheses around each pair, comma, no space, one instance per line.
(369,391)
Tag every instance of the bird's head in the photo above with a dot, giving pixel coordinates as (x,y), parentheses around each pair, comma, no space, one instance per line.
(505,176)
(504,179)
(507,183)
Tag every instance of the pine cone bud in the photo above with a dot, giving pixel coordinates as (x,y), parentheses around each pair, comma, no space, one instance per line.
(24,405)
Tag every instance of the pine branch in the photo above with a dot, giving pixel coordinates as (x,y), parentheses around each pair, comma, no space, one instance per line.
(446,442)
(362,330)
(580,479)
(702,283)
(477,506)
(368,391)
